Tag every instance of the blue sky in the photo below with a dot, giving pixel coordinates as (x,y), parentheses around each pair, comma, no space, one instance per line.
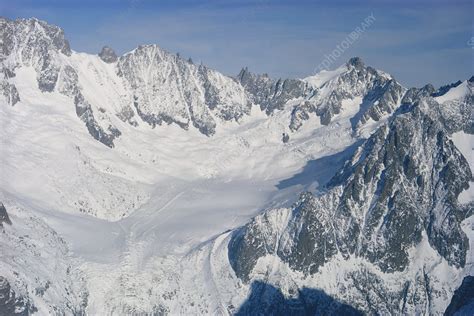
(418,42)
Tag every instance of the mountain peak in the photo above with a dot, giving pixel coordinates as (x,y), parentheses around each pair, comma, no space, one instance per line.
(32,35)
(356,62)
(108,55)
(4,218)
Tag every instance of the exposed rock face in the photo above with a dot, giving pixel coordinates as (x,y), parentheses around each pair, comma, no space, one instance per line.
(4,218)
(8,89)
(31,42)
(442,90)
(401,185)
(36,274)
(381,94)
(271,94)
(85,113)
(457,113)
(108,55)
(414,95)
(10,92)
(69,85)
(10,304)
(168,89)
(462,302)
(381,101)
(400,194)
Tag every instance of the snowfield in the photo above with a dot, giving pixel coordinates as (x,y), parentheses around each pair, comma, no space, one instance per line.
(160,194)
(126,181)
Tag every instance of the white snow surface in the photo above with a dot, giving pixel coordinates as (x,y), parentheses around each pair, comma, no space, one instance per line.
(465,143)
(319,79)
(142,217)
(455,93)
(147,222)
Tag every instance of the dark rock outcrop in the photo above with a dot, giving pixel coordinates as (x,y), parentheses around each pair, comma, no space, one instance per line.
(442,90)
(35,43)
(4,218)
(10,92)
(271,94)
(414,95)
(10,304)
(380,93)
(108,55)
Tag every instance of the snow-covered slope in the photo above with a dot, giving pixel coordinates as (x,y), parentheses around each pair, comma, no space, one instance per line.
(37,272)
(190,156)
(119,101)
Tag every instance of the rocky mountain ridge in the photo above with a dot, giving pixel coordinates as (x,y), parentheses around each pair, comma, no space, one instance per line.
(162,88)
(400,187)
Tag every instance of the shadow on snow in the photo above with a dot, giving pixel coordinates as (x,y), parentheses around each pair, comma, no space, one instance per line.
(320,170)
(265,299)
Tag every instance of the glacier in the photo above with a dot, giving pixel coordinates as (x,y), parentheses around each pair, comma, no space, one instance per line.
(144,184)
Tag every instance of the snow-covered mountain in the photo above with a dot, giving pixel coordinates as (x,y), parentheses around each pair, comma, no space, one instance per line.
(162,88)
(392,210)
(146,184)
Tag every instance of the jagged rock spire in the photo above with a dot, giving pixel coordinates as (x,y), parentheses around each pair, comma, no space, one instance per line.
(108,55)
(4,218)
(356,62)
